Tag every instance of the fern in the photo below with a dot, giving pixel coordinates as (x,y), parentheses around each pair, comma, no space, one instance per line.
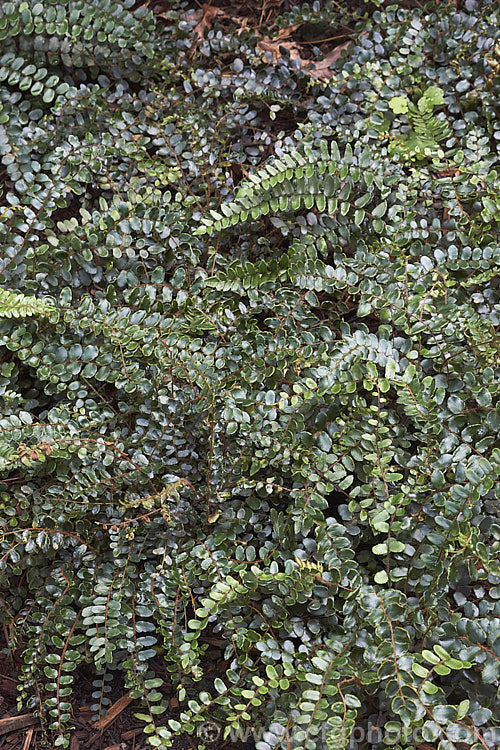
(428,130)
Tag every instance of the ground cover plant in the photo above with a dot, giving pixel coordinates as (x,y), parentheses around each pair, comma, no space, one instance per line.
(249,369)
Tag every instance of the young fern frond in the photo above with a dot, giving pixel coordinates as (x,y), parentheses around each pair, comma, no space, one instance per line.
(428,130)
(428,125)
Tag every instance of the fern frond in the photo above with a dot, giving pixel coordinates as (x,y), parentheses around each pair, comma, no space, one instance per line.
(428,125)
(428,131)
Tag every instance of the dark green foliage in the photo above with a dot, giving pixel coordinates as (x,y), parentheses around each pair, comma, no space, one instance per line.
(249,376)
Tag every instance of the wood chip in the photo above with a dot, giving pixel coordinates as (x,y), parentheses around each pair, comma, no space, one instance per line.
(13,723)
(449,172)
(85,713)
(113,712)
(74,743)
(27,739)
(131,733)
(8,686)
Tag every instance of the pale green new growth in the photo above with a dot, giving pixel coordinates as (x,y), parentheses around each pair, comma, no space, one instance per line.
(16,305)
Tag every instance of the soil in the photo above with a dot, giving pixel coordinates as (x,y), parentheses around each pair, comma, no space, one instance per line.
(21,730)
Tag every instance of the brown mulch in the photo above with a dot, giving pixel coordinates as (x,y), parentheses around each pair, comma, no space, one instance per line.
(118,729)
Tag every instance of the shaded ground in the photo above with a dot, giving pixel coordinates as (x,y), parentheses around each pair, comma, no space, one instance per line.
(118,730)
